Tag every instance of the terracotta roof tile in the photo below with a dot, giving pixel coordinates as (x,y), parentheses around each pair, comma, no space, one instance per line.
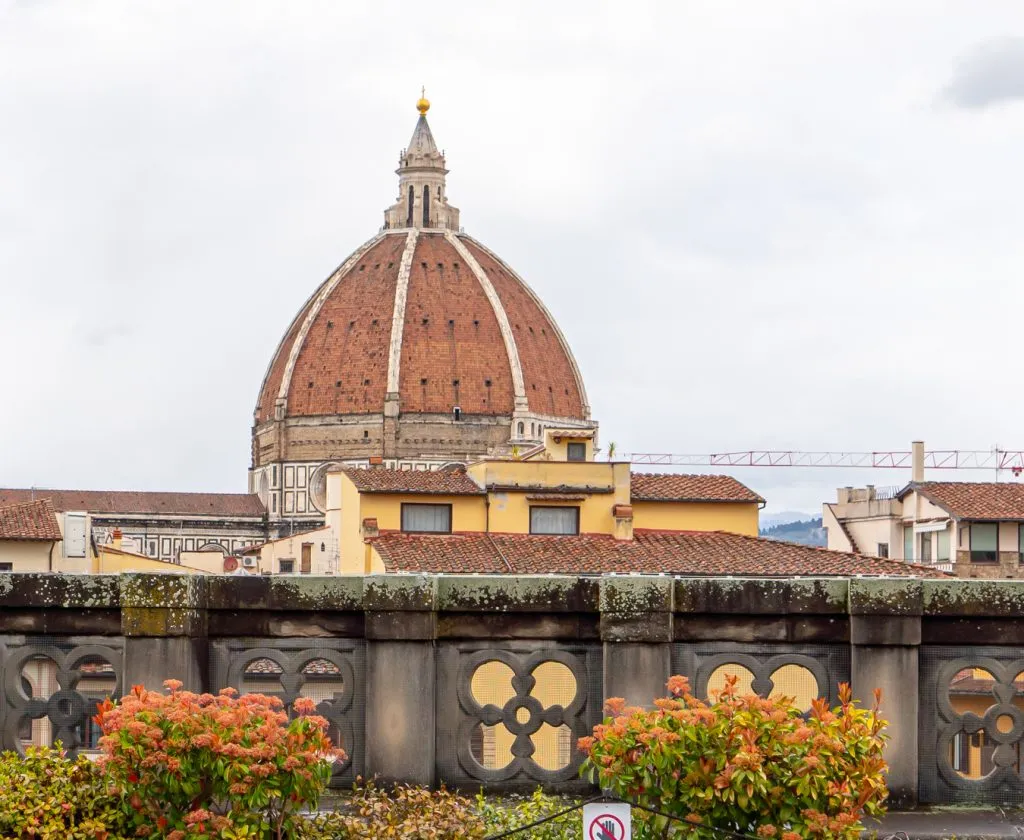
(452,349)
(131,502)
(673,487)
(439,482)
(548,371)
(650,552)
(29,521)
(974,499)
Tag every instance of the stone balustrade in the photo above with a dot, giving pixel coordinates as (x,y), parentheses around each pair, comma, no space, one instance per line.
(473,680)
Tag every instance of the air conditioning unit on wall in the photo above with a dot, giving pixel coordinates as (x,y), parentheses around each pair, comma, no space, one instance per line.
(249,562)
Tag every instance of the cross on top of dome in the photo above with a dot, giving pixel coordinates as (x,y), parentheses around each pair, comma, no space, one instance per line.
(422,194)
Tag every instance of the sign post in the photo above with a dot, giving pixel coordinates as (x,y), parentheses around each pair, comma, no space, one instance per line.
(606,821)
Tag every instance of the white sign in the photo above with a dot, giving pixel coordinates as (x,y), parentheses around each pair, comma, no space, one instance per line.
(606,821)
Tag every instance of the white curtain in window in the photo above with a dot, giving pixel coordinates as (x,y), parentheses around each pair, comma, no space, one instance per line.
(435,518)
(553,520)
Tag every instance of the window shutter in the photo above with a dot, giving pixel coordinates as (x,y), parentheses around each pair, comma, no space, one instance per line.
(74,535)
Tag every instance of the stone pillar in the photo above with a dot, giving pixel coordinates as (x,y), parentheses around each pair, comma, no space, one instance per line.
(401,714)
(636,628)
(885,634)
(163,620)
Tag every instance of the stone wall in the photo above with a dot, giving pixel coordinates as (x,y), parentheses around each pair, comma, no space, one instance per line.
(473,680)
(1007,566)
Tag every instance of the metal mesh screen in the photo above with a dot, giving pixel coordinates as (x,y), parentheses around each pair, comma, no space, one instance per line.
(509,717)
(801,672)
(52,686)
(328,671)
(971,724)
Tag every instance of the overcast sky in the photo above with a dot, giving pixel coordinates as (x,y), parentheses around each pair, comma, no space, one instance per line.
(783,224)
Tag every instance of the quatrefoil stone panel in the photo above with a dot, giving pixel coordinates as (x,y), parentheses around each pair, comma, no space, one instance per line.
(541,705)
(70,676)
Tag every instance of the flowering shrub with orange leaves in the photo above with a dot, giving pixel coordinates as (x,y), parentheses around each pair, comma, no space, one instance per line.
(200,765)
(743,764)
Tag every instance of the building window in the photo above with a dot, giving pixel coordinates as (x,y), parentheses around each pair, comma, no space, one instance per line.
(412,198)
(522,428)
(961,749)
(273,503)
(6,567)
(426,206)
(430,519)
(576,452)
(908,542)
(984,542)
(883,550)
(286,567)
(942,546)
(554,520)
(926,548)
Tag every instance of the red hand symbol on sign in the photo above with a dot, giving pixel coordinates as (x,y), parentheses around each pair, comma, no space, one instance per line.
(607,827)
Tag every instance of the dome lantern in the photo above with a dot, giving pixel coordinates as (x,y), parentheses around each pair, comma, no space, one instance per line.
(422,194)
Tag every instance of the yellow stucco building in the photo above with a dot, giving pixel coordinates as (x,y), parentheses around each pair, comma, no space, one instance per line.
(555,489)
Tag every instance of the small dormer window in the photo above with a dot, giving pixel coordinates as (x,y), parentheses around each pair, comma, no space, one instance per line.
(427,519)
(576,451)
(560,521)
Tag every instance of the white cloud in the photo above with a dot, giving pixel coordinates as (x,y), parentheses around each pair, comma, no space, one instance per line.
(991,74)
(749,220)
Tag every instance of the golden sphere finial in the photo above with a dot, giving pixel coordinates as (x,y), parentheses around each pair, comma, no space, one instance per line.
(424,104)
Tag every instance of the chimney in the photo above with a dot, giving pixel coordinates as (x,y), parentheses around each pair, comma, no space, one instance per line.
(917,461)
(116,538)
(623,515)
(370,528)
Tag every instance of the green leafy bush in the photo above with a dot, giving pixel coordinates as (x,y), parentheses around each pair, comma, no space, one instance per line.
(508,812)
(45,795)
(743,764)
(199,765)
(404,812)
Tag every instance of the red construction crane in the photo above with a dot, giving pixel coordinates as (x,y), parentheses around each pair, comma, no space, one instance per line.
(936,459)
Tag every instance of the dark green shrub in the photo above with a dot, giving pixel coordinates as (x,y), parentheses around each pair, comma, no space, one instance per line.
(47,796)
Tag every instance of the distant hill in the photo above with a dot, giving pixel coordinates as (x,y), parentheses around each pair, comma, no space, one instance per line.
(806,532)
(784,517)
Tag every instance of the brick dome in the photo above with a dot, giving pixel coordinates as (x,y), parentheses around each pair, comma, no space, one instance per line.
(422,347)
(434,317)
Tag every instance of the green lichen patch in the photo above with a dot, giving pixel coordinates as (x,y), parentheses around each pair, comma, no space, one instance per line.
(316,593)
(524,593)
(996,598)
(885,597)
(157,621)
(385,593)
(167,591)
(636,594)
(761,596)
(69,591)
